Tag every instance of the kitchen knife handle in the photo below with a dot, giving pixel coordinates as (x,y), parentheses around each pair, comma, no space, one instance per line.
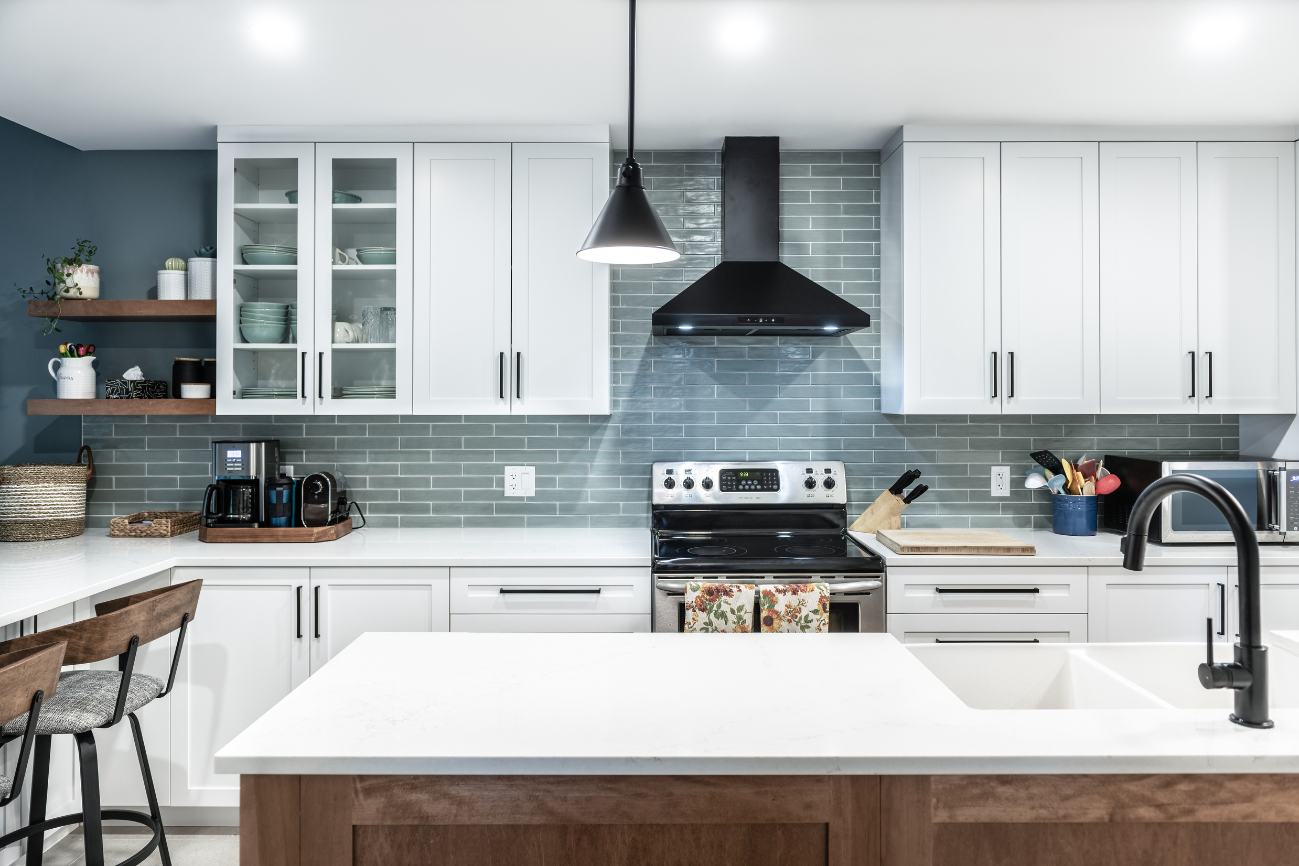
(1010,373)
(500,375)
(518,375)
(1208,394)
(994,375)
(320,376)
(315,610)
(1191,396)
(299,611)
(302,373)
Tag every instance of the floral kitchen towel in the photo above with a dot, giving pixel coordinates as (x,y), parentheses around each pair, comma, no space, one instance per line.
(796,607)
(719,607)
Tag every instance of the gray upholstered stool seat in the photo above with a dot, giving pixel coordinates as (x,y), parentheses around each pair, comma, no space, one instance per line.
(85,700)
(6,785)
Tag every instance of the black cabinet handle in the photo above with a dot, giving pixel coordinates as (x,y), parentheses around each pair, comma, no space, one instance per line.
(1222,610)
(1209,393)
(1010,370)
(994,374)
(320,376)
(315,610)
(518,375)
(548,590)
(1192,394)
(299,612)
(500,374)
(302,384)
(988,640)
(985,590)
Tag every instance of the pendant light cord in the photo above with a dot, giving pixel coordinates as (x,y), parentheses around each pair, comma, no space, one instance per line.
(631,80)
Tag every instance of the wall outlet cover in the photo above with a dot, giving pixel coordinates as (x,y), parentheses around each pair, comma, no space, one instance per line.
(521,481)
(1000,481)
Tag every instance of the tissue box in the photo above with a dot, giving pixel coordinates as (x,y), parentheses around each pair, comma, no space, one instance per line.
(139,389)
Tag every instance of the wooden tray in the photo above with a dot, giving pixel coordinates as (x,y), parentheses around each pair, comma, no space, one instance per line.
(272,534)
(161,524)
(961,542)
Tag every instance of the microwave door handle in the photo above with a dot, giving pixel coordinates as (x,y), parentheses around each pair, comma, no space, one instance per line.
(1274,498)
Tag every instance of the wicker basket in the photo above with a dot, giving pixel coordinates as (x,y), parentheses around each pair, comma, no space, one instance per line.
(43,501)
(153,524)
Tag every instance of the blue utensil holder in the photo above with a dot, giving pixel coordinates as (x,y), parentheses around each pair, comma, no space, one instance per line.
(1073,515)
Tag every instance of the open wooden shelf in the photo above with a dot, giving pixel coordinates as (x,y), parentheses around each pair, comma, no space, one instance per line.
(75,310)
(121,407)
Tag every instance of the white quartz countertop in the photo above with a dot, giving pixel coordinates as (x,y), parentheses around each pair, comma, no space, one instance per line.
(704,704)
(1098,550)
(39,576)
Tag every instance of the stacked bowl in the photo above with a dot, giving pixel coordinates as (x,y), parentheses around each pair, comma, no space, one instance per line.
(269,254)
(265,321)
(377,255)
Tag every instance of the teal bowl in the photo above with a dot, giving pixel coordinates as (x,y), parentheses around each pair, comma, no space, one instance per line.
(266,257)
(256,333)
(377,257)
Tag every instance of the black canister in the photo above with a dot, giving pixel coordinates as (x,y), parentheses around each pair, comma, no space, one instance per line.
(185,371)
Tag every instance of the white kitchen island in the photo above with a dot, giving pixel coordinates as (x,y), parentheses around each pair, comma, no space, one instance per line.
(843,748)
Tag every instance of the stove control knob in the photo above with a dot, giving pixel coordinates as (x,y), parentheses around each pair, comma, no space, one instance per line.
(809,482)
(707,484)
(688,484)
(669,482)
(828,483)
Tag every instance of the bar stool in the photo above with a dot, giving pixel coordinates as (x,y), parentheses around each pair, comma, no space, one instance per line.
(87,700)
(27,678)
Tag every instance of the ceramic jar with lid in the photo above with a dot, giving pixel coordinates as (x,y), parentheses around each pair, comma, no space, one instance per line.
(185,371)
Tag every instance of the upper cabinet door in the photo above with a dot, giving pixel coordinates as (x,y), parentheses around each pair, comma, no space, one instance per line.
(560,363)
(941,310)
(462,274)
(363,278)
(1247,276)
(1148,277)
(1050,291)
(264,279)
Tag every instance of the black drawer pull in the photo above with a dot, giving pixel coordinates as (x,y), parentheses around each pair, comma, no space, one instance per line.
(988,640)
(985,590)
(521,590)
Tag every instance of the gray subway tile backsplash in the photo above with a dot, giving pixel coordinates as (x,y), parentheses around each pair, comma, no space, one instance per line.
(675,398)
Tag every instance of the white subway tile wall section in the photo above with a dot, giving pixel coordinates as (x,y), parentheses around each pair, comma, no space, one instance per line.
(673,399)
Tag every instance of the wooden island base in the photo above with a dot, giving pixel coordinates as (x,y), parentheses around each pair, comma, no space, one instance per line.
(1084,820)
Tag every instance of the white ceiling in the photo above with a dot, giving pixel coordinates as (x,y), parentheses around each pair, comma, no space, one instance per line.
(819,73)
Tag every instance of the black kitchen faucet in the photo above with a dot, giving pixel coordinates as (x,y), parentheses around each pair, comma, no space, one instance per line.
(1247,675)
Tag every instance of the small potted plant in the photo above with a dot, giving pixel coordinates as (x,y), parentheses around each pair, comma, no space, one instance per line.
(66,277)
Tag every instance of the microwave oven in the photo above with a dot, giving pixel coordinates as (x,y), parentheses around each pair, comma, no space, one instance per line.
(1267,489)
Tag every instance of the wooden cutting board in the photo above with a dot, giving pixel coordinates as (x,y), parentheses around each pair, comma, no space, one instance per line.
(974,542)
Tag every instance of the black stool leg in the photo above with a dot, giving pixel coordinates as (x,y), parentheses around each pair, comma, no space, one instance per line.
(154,811)
(40,786)
(92,819)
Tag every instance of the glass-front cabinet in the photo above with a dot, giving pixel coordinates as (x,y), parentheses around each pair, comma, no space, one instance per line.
(363,278)
(265,280)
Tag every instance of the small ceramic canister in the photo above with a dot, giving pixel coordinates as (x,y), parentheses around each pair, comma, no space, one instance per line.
(171,285)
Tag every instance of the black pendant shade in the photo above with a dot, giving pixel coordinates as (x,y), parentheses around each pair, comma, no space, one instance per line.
(628,231)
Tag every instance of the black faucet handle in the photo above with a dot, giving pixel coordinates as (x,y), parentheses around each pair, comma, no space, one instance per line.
(1224,676)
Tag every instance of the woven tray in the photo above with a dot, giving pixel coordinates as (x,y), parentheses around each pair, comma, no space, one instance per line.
(153,524)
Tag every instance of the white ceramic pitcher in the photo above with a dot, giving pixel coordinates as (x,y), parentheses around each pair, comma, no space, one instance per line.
(75,378)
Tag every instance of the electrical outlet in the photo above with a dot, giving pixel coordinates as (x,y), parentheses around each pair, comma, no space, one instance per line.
(520,481)
(1001,481)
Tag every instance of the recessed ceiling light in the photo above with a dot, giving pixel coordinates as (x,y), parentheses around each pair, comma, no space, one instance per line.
(274,34)
(742,34)
(1216,31)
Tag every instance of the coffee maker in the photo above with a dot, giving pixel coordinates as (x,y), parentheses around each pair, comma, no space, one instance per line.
(240,470)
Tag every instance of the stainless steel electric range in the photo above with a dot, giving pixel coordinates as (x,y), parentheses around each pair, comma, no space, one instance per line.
(760,522)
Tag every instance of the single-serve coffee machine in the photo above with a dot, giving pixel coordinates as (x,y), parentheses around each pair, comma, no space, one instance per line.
(240,470)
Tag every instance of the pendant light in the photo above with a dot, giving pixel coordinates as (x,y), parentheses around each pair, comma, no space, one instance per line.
(628,231)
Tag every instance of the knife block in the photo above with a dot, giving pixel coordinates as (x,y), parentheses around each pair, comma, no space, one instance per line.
(884,513)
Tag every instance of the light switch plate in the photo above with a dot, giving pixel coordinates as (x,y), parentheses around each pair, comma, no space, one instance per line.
(520,481)
(1001,481)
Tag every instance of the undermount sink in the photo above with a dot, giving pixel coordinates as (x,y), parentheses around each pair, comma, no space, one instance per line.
(1091,676)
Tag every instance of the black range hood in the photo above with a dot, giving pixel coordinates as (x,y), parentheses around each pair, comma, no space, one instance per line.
(752,293)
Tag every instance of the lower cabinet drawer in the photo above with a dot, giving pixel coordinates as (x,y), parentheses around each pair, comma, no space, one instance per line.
(1017,589)
(550,590)
(537,623)
(988,628)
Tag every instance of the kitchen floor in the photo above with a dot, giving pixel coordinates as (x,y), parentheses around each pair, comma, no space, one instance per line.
(189,846)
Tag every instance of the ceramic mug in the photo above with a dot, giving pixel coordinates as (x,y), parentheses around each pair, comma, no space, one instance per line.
(75,379)
(346,332)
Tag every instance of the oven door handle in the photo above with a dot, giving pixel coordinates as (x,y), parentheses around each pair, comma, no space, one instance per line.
(841,588)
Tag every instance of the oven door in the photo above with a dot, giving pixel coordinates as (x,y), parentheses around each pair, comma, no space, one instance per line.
(1258,485)
(856,602)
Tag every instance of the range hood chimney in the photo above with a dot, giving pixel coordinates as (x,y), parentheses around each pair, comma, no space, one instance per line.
(752,293)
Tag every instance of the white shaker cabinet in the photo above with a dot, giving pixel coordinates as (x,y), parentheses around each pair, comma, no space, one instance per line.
(941,278)
(1247,276)
(1050,289)
(347,602)
(1148,342)
(560,321)
(1279,599)
(1158,604)
(247,648)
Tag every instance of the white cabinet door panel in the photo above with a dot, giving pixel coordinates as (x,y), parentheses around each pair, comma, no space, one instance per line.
(1247,276)
(246,650)
(531,623)
(1148,278)
(941,292)
(348,602)
(1157,604)
(988,627)
(1279,599)
(462,277)
(1017,589)
(550,590)
(1050,289)
(560,302)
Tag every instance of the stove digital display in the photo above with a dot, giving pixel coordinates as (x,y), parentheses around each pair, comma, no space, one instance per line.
(749,480)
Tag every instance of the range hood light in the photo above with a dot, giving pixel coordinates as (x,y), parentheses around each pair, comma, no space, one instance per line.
(628,231)
(830,328)
(685,327)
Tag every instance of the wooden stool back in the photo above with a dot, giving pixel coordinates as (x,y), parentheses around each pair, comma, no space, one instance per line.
(25,672)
